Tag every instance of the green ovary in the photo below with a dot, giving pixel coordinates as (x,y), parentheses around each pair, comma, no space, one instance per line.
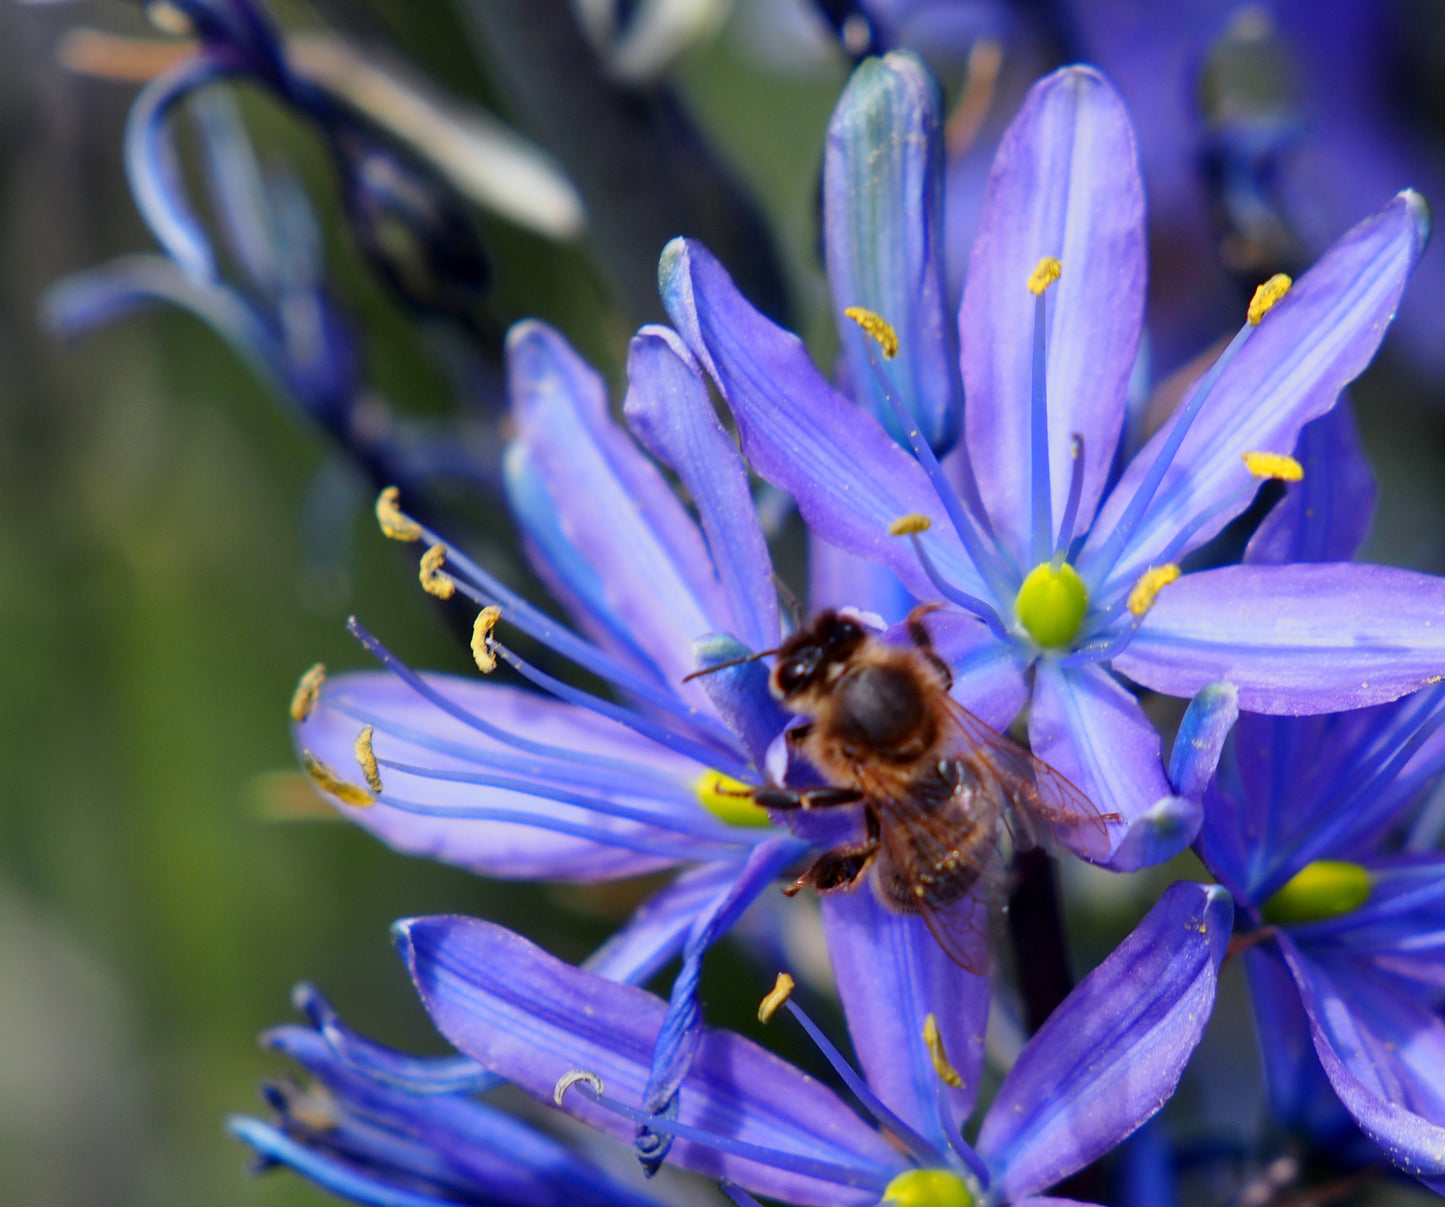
(928,1188)
(1327,888)
(1051,604)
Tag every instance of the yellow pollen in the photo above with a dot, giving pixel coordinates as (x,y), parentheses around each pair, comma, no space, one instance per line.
(729,800)
(482,638)
(394,522)
(779,994)
(1274,465)
(878,327)
(1266,296)
(909,525)
(1327,888)
(308,690)
(1150,583)
(1045,273)
(433,582)
(928,1188)
(169,19)
(328,781)
(946,1072)
(367,758)
(314,1107)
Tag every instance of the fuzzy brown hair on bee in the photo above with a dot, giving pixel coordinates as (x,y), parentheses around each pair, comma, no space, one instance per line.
(938,787)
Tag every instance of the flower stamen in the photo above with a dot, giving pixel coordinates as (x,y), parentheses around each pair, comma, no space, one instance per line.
(1273,466)
(879,329)
(1266,297)
(780,992)
(394,522)
(433,582)
(946,1072)
(328,781)
(308,691)
(367,758)
(1147,589)
(482,627)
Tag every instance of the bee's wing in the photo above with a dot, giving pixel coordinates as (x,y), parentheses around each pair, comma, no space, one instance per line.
(919,836)
(1056,813)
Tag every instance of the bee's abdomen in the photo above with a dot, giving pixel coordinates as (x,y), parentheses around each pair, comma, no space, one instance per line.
(882,710)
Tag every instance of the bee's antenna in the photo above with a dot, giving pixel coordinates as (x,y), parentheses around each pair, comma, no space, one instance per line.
(722,666)
(790,601)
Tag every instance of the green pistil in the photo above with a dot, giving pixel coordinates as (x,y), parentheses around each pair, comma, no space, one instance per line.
(1328,888)
(928,1188)
(1051,604)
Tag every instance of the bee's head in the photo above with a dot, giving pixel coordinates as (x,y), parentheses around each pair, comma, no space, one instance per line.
(806,659)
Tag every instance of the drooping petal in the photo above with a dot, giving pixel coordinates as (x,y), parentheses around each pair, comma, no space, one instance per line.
(1294,639)
(891,974)
(669,410)
(1200,741)
(440,814)
(1110,1056)
(740,694)
(1382,1051)
(1065,183)
(533,1019)
(1326,515)
(849,479)
(882,213)
(1312,344)
(613,504)
(1093,732)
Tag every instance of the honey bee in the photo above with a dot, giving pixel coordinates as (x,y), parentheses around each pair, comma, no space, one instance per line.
(939,789)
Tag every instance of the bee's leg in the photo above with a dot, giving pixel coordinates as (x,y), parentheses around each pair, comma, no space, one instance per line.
(798,734)
(811,798)
(918,634)
(835,871)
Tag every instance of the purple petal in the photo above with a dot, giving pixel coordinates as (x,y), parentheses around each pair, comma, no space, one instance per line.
(410,730)
(1093,732)
(669,410)
(1291,370)
(839,579)
(612,503)
(1159,834)
(1383,1052)
(988,679)
(1294,639)
(1065,183)
(1325,516)
(741,694)
(533,1019)
(849,479)
(1110,1056)
(1200,741)
(891,974)
(882,213)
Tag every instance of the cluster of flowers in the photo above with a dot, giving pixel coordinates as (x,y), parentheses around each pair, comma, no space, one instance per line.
(1053,541)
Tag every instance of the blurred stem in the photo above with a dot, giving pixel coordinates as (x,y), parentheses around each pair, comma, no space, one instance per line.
(1036,929)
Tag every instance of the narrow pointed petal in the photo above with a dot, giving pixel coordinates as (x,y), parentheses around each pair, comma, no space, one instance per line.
(1326,515)
(1294,639)
(533,1019)
(891,975)
(564,841)
(669,410)
(613,504)
(1065,183)
(849,479)
(1200,741)
(741,694)
(1383,1052)
(1110,1056)
(1158,834)
(1093,732)
(1312,344)
(882,213)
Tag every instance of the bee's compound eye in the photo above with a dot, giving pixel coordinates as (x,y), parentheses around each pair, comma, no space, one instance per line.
(792,675)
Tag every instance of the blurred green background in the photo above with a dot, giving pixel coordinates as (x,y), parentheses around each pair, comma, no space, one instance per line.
(156,608)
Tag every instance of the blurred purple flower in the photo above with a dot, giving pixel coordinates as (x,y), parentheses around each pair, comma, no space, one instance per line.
(1104,1063)
(1052,559)
(1322,829)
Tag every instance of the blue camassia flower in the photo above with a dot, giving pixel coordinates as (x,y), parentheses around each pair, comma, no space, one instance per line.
(1062,567)
(1106,1061)
(1318,828)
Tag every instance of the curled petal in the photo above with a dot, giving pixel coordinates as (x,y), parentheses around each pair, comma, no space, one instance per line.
(1110,1056)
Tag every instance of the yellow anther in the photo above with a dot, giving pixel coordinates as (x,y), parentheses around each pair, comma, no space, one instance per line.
(1266,296)
(1150,583)
(313,1107)
(878,327)
(729,800)
(482,628)
(1274,465)
(433,582)
(394,522)
(308,690)
(367,758)
(779,994)
(908,525)
(328,781)
(1045,273)
(946,1072)
(170,19)
(928,1188)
